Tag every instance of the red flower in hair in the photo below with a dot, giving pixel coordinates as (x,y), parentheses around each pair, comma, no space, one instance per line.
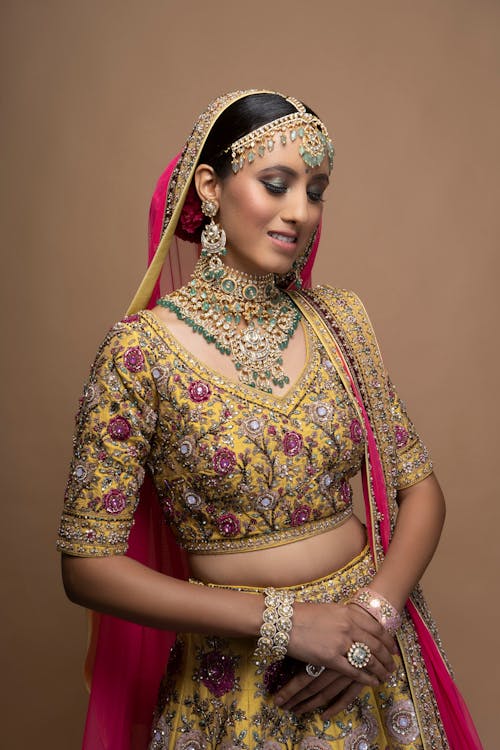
(191,218)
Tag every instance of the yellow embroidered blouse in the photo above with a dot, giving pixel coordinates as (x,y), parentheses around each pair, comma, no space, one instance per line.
(234,468)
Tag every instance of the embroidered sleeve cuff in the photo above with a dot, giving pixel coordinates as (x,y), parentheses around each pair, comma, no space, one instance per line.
(87,536)
(414,464)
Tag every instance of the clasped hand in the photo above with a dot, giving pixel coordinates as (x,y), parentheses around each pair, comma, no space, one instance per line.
(322,635)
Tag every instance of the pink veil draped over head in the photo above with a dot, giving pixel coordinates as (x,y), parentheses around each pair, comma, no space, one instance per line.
(125,661)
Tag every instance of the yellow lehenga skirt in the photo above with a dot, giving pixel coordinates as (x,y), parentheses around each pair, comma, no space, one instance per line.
(213,696)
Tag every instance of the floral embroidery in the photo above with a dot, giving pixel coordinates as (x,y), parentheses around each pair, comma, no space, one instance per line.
(292,443)
(186,447)
(192,500)
(320,411)
(253,427)
(300,515)
(224,461)
(217,672)
(356,431)
(267,501)
(114,501)
(199,391)
(243,470)
(228,524)
(119,428)
(278,674)
(345,491)
(401,436)
(194,740)
(314,743)
(402,722)
(133,359)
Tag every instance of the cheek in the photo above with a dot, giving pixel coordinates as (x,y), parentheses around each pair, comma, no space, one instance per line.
(249,206)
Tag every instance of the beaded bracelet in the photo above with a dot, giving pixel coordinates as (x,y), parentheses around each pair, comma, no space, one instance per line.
(379,608)
(277,623)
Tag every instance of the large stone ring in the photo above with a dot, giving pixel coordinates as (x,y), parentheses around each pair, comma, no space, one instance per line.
(314,671)
(359,655)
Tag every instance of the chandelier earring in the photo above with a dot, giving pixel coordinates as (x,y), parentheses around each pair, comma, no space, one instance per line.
(213,237)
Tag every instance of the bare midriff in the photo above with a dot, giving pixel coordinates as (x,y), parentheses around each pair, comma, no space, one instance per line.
(286,565)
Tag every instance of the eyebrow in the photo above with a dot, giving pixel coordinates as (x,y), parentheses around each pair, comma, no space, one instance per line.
(291,172)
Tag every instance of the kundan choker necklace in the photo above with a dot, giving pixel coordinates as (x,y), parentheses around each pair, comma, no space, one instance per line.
(246,317)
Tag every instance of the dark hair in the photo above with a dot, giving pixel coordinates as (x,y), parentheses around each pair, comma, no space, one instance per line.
(237,120)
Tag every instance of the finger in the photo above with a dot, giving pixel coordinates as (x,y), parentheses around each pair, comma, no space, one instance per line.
(293,686)
(381,662)
(341,664)
(314,686)
(343,701)
(323,697)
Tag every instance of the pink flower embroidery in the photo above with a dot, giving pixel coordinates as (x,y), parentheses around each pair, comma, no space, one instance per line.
(292,443)
(356,431)
(278,674)
(314,743)
(119,428)
(300,515)
(193,740)
(167,507)
(345,492)
(401,436)
(224,461)
(199,391)
(228,524)
(130,318)
(217,672)
(134,359)
(114,501)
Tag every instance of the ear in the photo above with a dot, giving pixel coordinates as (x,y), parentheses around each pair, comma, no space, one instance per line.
(207,183)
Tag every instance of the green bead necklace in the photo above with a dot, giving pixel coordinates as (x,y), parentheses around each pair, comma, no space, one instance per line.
(215,304)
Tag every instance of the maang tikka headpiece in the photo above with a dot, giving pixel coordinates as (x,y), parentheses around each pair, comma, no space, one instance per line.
(301,126)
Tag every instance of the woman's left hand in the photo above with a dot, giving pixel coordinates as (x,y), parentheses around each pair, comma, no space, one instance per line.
(331,689)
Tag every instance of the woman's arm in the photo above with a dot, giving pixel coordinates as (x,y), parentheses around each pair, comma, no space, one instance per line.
(122,587)
(416,535)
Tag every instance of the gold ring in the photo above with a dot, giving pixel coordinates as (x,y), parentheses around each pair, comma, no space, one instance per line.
(359,655)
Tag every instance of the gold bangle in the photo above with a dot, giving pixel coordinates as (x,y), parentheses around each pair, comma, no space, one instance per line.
(276,626)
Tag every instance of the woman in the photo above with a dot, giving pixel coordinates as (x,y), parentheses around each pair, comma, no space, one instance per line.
(251,408)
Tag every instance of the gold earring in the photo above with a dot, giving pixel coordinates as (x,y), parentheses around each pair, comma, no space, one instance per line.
(213,237)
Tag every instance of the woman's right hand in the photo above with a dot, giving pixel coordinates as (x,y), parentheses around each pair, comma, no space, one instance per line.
(322,634)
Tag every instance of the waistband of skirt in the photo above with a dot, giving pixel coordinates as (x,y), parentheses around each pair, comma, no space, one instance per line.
(336,586)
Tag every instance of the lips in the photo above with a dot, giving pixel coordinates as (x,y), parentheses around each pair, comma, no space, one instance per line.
(288,238)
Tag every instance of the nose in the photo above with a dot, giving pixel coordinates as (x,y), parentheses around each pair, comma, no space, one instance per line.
(296,208)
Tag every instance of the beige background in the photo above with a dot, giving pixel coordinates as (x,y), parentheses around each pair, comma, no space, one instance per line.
(97,96)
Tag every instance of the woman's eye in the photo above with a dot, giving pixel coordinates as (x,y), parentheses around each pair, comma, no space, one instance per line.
(315,197)
(277,188)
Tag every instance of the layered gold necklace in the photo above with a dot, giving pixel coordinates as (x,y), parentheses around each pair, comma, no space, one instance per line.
(246,317)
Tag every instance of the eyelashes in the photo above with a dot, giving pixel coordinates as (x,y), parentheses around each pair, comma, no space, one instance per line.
(281,188)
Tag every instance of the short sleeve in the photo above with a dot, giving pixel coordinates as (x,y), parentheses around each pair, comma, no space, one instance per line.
(115,424)
(413,460)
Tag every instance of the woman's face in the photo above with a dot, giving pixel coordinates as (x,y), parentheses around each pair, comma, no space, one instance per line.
(270,209)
